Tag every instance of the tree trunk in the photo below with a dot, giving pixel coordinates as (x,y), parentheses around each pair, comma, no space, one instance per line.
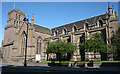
(58,56)
(68,56)
(47,56)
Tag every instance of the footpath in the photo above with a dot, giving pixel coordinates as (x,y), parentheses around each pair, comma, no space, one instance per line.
(35,67)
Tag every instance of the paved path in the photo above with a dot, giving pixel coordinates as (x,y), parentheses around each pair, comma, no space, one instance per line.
(9,62)
(15,67)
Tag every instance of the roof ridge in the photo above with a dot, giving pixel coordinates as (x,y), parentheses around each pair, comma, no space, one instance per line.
(42,26)
(80,20)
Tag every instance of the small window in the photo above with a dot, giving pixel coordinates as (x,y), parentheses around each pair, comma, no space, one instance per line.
(16,16)
(14,22)
(19,17)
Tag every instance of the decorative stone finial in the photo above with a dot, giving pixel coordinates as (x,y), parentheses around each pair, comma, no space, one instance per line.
(109,6)
(14,6)
(32,17)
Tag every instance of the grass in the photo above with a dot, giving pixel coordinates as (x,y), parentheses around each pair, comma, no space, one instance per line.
(106,61)
(81,62)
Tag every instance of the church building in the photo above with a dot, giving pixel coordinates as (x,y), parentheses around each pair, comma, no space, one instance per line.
(13,45)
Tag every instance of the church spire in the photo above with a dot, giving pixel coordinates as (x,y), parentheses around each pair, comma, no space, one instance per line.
(109,9)
(32,17)
(113,8)
(109,6)
(114,15)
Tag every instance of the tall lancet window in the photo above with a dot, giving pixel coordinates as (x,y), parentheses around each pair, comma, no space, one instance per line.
(16,16)
(87,26)
(75,29)
(23,41)
(64,32)
(19,17)
(55,33)
(100,23)
(38,51)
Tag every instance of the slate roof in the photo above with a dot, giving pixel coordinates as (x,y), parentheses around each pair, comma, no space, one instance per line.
(80,24)
(42,29)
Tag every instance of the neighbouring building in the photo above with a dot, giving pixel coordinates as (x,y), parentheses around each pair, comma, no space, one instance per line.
(13,46)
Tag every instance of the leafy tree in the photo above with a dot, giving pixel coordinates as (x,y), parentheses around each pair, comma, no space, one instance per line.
(61,47)
(115,42)
(95,44)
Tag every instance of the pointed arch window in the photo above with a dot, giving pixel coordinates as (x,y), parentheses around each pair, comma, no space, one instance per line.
(86,26)
(55,33)
(23,41)
(17,23)
(38,51)
(64,31)
(16,16)
(75,29)
(19,17)
(14,22)
(100,23)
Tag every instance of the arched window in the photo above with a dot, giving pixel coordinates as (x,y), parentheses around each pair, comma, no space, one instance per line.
(38,51)
(86,26)
(75,29)
(64,32)
(100,23)
(19,17)
(14,22)
(55,33)
(16,16)
(23,41)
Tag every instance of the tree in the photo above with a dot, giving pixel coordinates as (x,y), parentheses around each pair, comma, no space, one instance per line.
(82,47)
(94,44)
(115,42)
(61,47)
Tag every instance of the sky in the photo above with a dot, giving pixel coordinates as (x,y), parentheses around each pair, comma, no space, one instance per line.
(54,14)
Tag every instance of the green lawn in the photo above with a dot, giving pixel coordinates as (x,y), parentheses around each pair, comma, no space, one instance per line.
(81,62)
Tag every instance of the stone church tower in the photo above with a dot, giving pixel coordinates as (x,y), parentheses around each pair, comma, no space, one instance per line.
(15,39)
(14,21)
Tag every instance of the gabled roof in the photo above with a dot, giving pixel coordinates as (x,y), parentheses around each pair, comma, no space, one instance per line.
(80,24)
(42,29)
